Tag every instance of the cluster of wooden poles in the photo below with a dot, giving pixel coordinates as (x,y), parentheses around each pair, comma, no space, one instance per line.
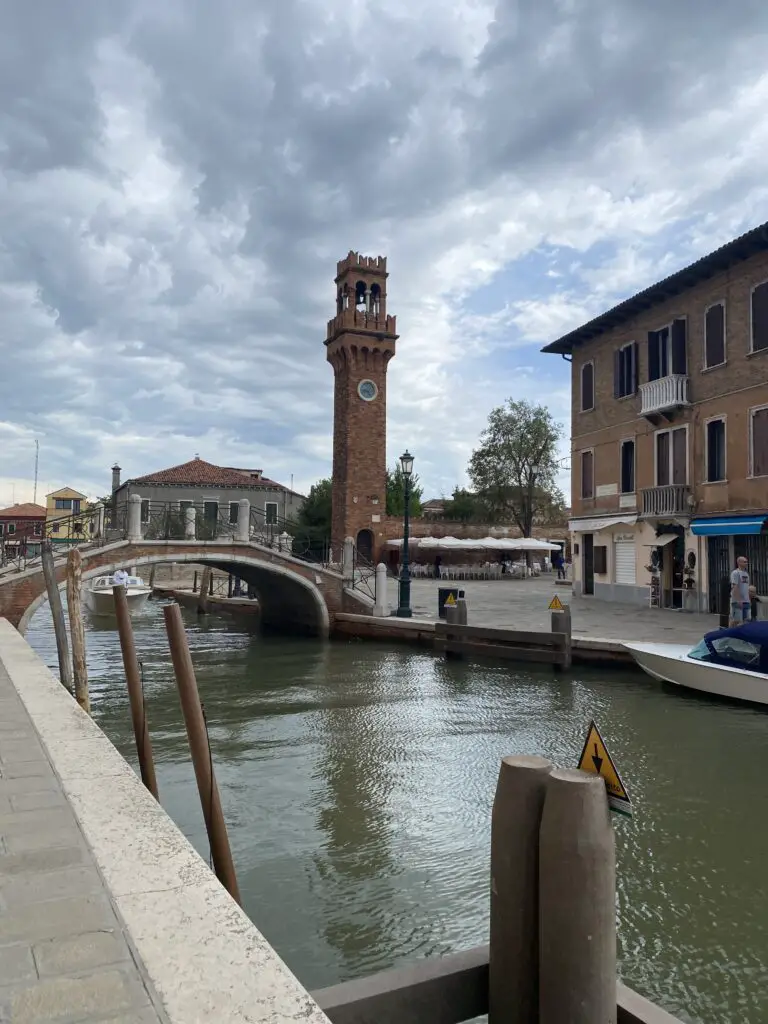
(74,676)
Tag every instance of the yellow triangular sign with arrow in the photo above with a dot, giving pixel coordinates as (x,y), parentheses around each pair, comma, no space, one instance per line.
(596,759)
(450,599)
(556,605)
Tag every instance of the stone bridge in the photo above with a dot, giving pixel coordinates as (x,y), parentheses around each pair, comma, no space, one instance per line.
(293,594)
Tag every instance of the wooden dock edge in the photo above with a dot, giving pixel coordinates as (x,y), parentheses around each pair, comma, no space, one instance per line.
(422,633)
(445,990)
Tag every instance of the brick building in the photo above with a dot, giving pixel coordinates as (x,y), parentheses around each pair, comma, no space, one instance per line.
(669,427)
(22,525)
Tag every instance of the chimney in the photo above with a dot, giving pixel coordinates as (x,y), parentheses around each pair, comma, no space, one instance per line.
(115,477)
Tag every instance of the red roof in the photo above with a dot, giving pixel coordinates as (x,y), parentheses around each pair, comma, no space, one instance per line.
(23,511)
(199,473)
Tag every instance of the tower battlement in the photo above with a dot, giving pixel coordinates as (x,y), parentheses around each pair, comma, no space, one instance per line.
(357,321)
(354,261)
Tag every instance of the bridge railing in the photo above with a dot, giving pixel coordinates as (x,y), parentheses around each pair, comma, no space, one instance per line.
(215,521)
(363,574)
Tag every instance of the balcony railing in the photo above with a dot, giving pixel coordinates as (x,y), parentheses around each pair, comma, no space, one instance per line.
(666,393)
(671,500)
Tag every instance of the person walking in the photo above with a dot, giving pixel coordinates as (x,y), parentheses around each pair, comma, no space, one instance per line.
(741,605)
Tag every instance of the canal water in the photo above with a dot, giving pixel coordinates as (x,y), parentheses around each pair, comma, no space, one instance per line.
(357,782)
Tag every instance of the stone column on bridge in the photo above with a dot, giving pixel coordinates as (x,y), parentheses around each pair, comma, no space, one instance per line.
(381,602)
(243,528)
(134,518)
(189,522)
(100,521)
(285,543)
(348,559)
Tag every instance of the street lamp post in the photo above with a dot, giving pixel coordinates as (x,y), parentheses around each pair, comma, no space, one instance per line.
(404,591)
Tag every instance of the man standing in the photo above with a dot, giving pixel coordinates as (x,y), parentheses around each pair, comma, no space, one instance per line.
(119,578)
(740,601)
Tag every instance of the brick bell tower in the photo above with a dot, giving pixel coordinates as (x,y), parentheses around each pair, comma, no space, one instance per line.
(359,344)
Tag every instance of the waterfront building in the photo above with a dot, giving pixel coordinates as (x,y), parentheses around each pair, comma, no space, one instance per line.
(669,429)
(22,525)
(61,509)
(214,489)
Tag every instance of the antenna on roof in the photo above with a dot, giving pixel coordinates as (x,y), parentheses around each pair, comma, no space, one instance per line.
(37,464)
(197,455)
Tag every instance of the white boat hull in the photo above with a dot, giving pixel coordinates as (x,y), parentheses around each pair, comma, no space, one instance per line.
(671,664)
(103,602)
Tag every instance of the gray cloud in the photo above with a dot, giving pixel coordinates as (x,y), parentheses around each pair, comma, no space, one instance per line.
(177,182)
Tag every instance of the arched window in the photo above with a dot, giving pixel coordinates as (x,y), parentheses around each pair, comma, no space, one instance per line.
(375,300)
(587,387)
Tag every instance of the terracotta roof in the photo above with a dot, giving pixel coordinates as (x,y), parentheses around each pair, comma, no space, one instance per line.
(199,473)
(721,259)
(23,511)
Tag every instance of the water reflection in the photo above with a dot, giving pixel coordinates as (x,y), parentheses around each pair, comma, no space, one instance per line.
(357,783)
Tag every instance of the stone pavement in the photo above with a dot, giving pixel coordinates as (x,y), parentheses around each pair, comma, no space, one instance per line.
(64,956)
(522,604)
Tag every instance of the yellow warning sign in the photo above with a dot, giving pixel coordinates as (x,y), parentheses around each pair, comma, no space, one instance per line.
(596,759)
(556,605)
(450,599)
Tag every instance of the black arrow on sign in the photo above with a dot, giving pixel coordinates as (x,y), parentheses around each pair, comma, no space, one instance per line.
(597,761)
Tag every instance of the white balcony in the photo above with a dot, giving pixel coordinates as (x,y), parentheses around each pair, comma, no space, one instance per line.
(669,392)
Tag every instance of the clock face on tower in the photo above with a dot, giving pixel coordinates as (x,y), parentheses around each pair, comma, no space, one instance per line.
(367,390)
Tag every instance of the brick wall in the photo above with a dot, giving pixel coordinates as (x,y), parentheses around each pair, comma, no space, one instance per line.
(728,390)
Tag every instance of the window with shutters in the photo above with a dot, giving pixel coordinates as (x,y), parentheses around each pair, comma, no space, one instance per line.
(714,336)
(715,468)
(672,457)
(625,371)
(145,510)
(588,474)
(667,350)
(234,512)
(627,467)
(587,387)
(758,439)
(760,317)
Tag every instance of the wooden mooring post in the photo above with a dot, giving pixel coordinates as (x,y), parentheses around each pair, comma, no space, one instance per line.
(77,629)
(135,692)
(205,591)
(199,747)
(552,952)
(57,613)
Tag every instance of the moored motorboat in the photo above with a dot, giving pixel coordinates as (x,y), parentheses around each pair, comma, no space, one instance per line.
(100,600)
(729,662)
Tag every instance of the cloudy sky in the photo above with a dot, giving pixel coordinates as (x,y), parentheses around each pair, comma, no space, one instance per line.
(178,179)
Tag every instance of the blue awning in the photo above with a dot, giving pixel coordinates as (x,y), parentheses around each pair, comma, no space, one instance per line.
(728,526)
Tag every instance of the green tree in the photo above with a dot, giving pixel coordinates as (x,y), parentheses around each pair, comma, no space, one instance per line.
(515,464)
(314,519)
(396,493)
(464,507)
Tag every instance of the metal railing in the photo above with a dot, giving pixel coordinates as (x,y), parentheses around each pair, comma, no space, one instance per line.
(169,520)
(363,574)
(665,393)
(670,500)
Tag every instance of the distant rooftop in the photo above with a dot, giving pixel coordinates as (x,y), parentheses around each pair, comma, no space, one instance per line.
(737,251)
(199,473)
(25,510)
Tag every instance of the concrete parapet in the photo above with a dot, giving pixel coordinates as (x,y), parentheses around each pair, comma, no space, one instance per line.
(205,959)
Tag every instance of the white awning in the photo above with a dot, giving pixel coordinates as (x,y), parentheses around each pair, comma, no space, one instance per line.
(595,525)
(481,543)
(662,541)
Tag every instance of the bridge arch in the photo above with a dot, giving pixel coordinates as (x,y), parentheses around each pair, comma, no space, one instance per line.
(285,597)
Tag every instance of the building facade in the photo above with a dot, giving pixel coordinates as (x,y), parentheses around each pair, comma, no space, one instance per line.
(61,510)
(22,525)
(214,489)
(669,427)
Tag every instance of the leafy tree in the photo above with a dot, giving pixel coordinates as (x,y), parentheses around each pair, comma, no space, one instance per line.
(313,522)
(464,507)
(514,466)
(396,493)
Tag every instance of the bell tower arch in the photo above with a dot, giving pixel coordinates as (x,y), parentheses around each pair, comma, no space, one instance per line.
(359,344)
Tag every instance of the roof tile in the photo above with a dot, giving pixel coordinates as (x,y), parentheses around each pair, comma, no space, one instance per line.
(199,473)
